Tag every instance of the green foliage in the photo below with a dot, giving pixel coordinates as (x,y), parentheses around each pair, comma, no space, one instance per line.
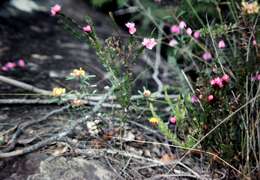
(232,126)
(116,57)
(228,124)
(99,3)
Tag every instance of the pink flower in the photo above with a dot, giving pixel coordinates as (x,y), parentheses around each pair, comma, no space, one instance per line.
(21,63)
(87,28)
(210,98)
(173,43)
(131,27)
(4,68)
(55,9)
(10,65)
(221,44)
(254,42)
(200,96)
(253,78)
(225,78)
(173,120)
(149,43)
(182,25)
(196,35)
(175,29)
(132,30)
(219,82)
(212,82)
(207,56)
(194,99)
(189,31)
(258,77)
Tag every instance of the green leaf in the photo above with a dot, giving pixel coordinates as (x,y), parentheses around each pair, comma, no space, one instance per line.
(121,2)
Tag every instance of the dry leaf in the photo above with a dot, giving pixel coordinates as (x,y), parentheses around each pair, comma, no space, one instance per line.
(109,134)
(167,158)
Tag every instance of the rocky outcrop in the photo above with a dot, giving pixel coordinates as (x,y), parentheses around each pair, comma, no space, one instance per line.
(71,169)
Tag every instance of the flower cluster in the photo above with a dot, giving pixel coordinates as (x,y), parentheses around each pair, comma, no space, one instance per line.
(154,120)
(147,93)
(149,43)
(56,92)
(250,7)
(182,27)
(131,27)
(12,65)
(78,73)
(220,81)
(77,102)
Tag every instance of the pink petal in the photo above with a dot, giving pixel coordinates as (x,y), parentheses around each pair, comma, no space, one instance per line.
(132,30)
(225,78)
(55,9)
(130,25)
(196,35)
(207,56)
(173,120)
(10,65)
(149,43)
(189,31)
(221,44)
(194,99)
(182,25)
(210,98)
(87,28)
(4,68)
(21,63)
(175,29)
(173,43)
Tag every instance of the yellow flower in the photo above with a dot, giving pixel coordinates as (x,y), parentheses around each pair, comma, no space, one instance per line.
(250,7)
(147,93)
(78,72)
(58,91)
(154,120)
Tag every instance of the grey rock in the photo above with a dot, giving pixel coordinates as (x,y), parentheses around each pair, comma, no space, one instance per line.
(71,169)
(27,5)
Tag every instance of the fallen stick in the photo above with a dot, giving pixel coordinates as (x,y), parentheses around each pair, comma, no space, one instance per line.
(23,85)
(48,102)
(32,88)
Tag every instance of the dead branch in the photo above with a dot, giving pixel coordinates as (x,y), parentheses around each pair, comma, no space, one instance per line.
(23,85)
